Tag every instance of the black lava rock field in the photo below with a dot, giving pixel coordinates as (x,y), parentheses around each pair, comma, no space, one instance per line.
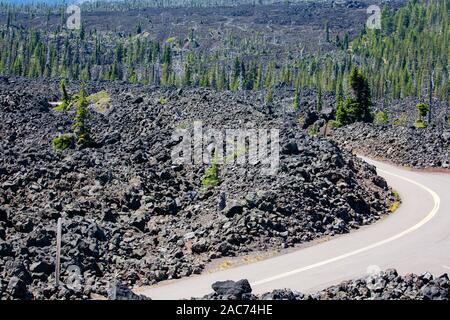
(385,285)
(130,213)
(401,145)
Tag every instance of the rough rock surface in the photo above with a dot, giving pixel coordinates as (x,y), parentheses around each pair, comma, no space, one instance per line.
(406,146)
(128,209)
(118,291)
(400,143)
(386,285)
(406,109)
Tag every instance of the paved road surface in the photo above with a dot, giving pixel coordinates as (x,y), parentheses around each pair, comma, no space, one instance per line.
(416,238)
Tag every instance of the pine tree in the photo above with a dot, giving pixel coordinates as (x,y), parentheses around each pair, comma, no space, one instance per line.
(346,41)
(319,101)
(187,74)
(269,96)
(358,106)
(327,31)
(269,80)
(258,80)
(165,74)
(65,97)
(80,128)
(115,71)
(361,93)
(167,55)
(236,74)
(8,20)
(82,32)
(139,28)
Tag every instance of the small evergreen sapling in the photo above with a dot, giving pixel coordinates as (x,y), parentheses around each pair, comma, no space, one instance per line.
(211,176)
(423,110)
(296,102)
(65,99)
(80,128)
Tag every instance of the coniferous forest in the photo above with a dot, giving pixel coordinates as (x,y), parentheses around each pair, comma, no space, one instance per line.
(410,51)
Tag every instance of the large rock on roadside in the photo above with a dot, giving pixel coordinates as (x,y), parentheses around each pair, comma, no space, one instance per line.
(233,288)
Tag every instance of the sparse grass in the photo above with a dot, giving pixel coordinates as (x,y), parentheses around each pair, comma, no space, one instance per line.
(396,204)
(100,100)
(225,264)
(252,259)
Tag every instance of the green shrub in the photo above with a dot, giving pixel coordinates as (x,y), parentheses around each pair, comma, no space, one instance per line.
(63,142)
(396,195)
(81,134)
(381,118)
(170,39)
(420,124)
(319,100)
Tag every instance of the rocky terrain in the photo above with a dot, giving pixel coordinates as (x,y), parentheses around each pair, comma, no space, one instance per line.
(386,285)
(406,108)
(212,25)
(131,214)
(398,143)
(402,145)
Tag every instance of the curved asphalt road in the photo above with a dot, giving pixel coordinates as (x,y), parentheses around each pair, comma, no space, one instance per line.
(416,238)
